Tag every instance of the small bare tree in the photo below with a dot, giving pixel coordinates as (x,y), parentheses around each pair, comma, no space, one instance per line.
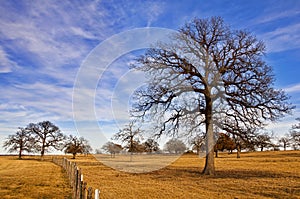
(20,141)
(130,136)
(284,142)
(75,145)
(175,146)
(198,142)
(295,135)
(263,140)
(151,145)
(112,148)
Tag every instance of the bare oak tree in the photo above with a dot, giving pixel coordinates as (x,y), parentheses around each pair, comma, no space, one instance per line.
(198,142)
(263,140)
(112,148)
(208,75)
(46,135)
(284,141)
(130,136)
(295,135)
(20,141)
(151,145)
(175,146)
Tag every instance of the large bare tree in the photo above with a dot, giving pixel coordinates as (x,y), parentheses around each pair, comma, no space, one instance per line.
(208,75)
(46,135)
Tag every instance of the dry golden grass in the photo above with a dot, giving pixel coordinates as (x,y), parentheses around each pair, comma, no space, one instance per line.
(255,175)
(32,178)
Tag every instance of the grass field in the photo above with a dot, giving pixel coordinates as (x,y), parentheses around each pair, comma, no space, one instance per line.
(255,175)
(31,178)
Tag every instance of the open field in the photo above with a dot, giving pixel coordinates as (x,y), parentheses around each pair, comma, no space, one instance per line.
(255,175)
(31,178)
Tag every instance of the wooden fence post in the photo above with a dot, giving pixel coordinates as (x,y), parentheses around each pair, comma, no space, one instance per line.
(90,193)
(97,194)
(84,195)
(77,184)
(81,186)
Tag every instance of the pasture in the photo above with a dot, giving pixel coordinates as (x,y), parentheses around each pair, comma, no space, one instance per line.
(254,175)
(32,178)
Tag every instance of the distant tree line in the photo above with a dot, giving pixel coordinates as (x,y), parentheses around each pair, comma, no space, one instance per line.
(150,146)
(43,136)
(130,138)
(259,142)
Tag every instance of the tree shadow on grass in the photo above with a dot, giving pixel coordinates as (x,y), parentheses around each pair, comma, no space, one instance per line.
(246,174)
(223,174)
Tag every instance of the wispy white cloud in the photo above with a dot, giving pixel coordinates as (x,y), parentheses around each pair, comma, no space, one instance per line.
(154,10)
(6,64)
(38,101)
(293,88)
(83,33)
(276,15)
(283,38)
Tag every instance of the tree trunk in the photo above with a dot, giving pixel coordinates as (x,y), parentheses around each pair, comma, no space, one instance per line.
(43,150)
(238,154)
(74,155)
(216,153)
(20,154)
(209,168)
(262,148)
(42,154)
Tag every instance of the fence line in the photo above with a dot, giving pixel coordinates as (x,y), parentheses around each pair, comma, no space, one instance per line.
(79,187)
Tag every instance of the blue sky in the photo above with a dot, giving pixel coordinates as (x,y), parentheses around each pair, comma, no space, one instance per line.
(44,43)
